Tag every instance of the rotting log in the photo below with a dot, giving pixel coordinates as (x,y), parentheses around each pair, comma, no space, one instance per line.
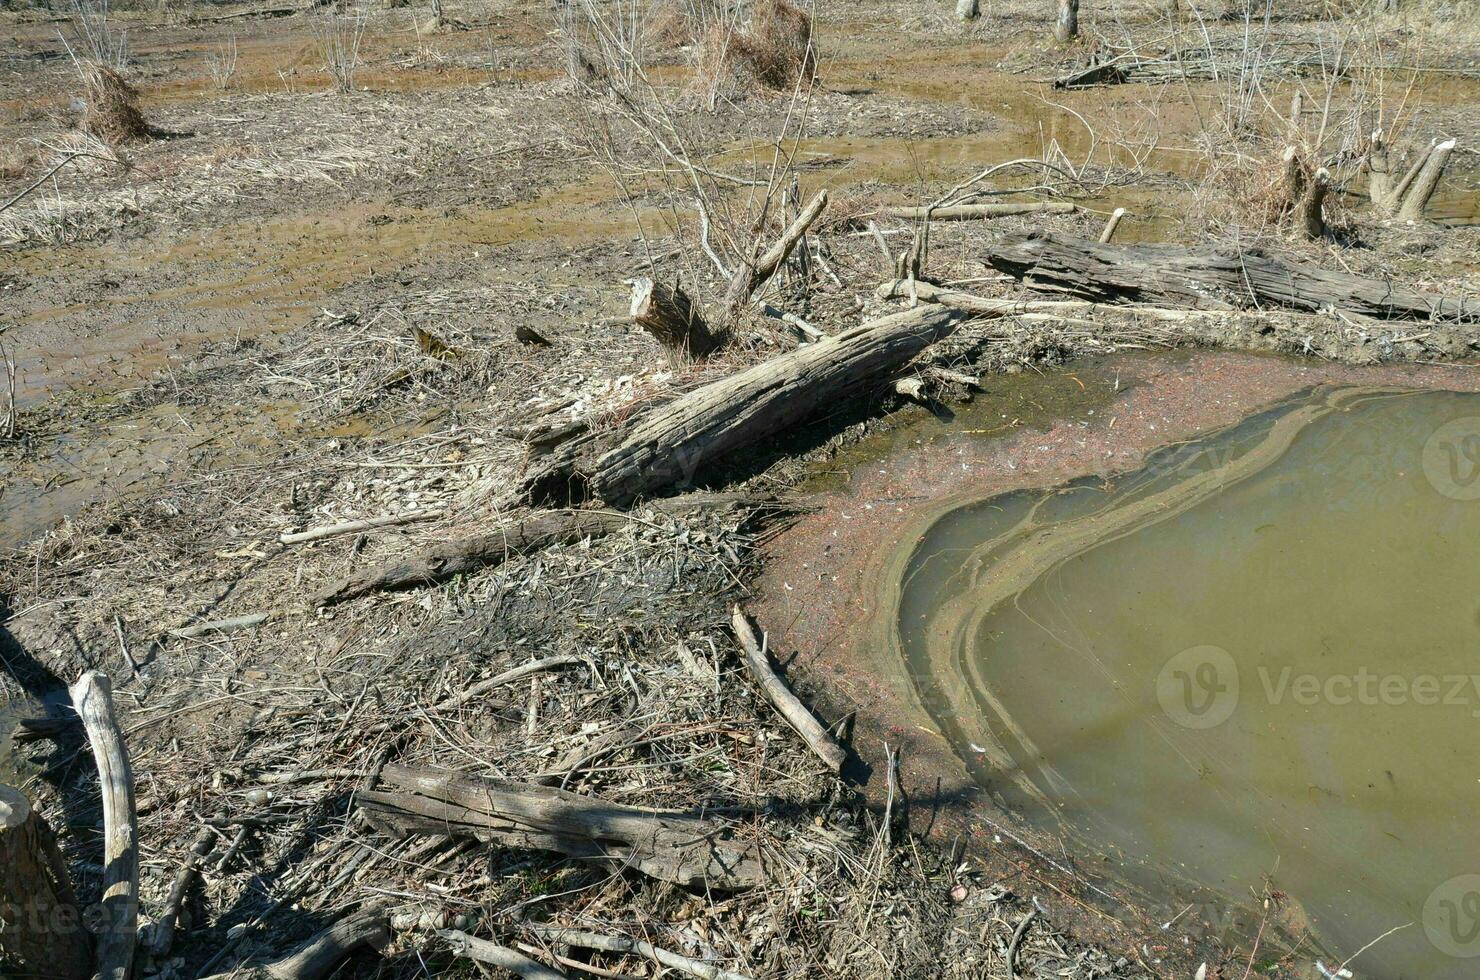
(92,696)
(712,423)
(1207,278)
(680,848)
(445,559)
(753,275)
(978,212)
(818,738)
(671,318)
(41,925)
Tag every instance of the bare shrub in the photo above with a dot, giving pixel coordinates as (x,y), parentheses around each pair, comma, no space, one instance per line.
(96,38)
(112,113)
(776,52)
(338,37)
(222,64)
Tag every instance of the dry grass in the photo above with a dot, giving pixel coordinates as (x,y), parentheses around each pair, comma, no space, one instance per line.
(112,113)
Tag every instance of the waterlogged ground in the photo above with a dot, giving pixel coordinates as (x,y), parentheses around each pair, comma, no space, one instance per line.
(1248,666)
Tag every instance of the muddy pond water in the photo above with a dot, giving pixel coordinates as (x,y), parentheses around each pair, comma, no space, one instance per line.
(1250,667)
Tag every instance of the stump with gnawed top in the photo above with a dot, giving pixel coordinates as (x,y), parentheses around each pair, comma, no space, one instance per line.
(42,933)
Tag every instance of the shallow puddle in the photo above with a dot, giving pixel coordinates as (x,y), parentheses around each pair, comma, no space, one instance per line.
(1249,668)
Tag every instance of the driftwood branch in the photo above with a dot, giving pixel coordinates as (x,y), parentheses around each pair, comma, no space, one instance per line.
(92,696)
(445,559)
(355,527)
(753,275)
(621,944)
(1207,278)
(493,954)
(1112,224)
(818,738)
(676,847)
(977,212)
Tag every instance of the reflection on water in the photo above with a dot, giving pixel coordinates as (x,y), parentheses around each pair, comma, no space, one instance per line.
(1254,664)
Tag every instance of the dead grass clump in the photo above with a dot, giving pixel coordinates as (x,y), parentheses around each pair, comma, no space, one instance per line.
(671,27)
(112,113)
(775,53)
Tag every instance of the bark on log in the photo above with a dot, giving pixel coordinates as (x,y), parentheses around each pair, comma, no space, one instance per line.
(752,275)
(42,933)
(1207,278)
(977,212)
(674,847)
(1066,28)
(1426,182)
(92,696)
(818,738)
(712,423)
(443,560)
(671,318)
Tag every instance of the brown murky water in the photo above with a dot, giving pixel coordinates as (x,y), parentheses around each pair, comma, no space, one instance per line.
(1249,667)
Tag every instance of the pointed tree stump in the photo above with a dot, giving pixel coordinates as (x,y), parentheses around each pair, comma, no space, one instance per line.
(671,318)
(42,934)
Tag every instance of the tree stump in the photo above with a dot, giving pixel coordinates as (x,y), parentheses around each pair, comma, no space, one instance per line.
(967,10)
(42,934)
(1066,28)
(669,315)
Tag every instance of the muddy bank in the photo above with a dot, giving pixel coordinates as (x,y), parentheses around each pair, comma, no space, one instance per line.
(831,583)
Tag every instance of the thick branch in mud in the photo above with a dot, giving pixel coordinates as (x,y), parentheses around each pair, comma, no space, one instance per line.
(674,847)
(1207,279)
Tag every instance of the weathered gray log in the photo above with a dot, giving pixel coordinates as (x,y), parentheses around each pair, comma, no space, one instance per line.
(443,560)
(977,212)
(712,423)
(1066,28)
(752,275)
(92,696)
(673,321)
(675,847)
(1427,181)
(493,954)
(818,738)
(622,944)
(41,927)
(1207,279)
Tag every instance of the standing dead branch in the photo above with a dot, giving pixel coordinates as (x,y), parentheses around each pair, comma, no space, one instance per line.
(752,275)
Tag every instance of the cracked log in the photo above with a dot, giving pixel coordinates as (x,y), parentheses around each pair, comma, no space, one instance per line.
(1207,279)
(675,847)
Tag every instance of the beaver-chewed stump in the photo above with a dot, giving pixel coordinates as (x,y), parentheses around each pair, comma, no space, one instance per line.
(671,318)
(41,928)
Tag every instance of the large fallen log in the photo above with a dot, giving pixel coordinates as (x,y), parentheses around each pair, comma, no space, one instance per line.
(41,925)
(675,847)
(1207,279)
(709,424)
(536,532)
